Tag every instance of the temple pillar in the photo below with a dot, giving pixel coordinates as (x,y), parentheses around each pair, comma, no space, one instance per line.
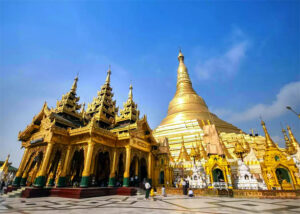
(127,167)
(19,173)
(112,176)
(87,165)
(40,180)
(62,178)
(150,167)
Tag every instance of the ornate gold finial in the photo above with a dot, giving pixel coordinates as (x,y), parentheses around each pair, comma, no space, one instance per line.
(208,122)
(74,86)
(183,155)
(130,92)
(293,139)
(180,56)
(4,167)
(269,141)
(108,75)
(289,146)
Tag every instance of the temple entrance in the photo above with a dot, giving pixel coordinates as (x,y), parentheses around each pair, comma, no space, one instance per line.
(218,175)
(102,169)
(143,170)
(34,167)
(134,172)
(120,173)
(284,178)
(162,177)
(282,174)
(52,174)
(77,165)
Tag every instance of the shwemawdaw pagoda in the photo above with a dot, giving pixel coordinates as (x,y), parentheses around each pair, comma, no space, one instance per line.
(71,145)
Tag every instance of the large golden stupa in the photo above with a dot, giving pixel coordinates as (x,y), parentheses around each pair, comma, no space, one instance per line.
(188,105)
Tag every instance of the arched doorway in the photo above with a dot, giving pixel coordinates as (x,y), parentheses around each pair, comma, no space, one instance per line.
(218,175)
(102,169)
(162,177)
(134,172)
(120,172)
(143,170)
(284,178)
(52,175)
(76,168)
(34,168)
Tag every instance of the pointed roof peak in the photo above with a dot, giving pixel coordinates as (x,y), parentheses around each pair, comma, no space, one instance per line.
(269,140)
(180,56)
(130,92)
(108,75)
(74,86)
(293,139)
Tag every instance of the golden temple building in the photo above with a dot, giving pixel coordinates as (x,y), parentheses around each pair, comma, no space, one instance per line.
(189,122)
(72,146)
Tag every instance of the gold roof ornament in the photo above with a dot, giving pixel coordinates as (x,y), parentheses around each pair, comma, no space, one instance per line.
(188,105)
(129,113)
(239,151)
(183,155)
(69,102)
(107,80)
(5,165)
(289,146)
(74,86)
(269,141)
(293,139)
(202,151)
(103,107)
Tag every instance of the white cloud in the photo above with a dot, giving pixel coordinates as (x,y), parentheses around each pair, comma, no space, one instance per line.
(289,95)
(224,65)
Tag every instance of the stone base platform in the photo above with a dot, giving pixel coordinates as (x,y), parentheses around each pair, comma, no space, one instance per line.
(268,194)
(77,192)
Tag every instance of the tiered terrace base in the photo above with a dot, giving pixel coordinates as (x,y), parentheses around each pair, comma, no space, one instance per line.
(281,194)
(77,192)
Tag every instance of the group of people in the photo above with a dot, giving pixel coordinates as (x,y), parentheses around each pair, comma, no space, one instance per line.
(151,191)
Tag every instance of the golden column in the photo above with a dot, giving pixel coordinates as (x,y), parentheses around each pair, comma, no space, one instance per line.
(62,178)
(127,167)
(150,167)
(112,176)
(87,165)
(21,169)
(40,180)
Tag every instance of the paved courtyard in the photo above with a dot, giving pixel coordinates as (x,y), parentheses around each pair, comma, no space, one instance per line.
(137,204)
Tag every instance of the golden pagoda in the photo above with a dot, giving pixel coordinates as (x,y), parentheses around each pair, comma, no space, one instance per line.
(187,114)
(188,105)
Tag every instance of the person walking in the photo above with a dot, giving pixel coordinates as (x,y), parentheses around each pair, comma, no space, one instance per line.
(163,191)
(147,187)
(184,187)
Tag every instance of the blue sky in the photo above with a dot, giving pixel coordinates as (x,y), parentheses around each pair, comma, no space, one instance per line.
(243,58)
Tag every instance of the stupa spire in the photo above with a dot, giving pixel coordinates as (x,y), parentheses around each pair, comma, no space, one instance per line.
(188,105)
(184,83)
(293,139)
(289,146)
(269,141)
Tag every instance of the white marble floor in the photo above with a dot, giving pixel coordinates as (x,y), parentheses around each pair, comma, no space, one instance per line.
(137,204)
